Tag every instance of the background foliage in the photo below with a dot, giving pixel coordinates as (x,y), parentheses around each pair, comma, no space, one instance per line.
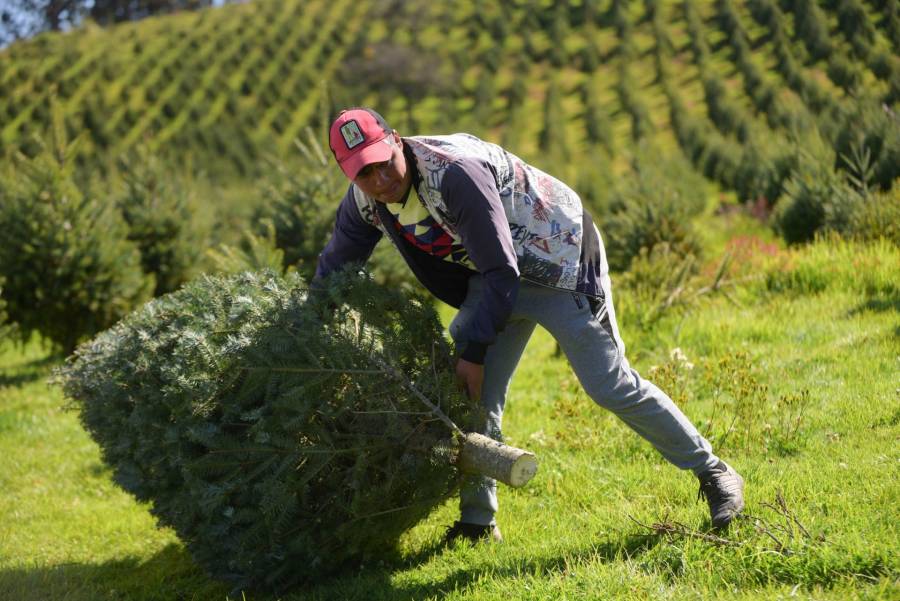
(70,270)
(739,88)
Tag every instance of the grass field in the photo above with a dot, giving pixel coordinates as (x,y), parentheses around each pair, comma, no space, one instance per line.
(801,361)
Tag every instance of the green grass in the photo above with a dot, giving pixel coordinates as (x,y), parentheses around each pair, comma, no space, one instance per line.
(826,320)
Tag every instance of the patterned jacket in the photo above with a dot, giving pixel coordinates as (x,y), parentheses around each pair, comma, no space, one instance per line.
(512,219)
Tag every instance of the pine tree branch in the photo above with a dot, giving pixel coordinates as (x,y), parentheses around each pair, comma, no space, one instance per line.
(394,373)
(316,370)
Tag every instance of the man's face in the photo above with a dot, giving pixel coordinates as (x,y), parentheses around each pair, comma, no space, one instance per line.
(389,180)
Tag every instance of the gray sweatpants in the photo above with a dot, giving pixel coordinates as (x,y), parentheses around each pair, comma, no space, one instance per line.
(595,350)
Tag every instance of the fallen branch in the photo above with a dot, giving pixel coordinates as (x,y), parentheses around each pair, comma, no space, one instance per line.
(789,528)
(677,528)
(765,528)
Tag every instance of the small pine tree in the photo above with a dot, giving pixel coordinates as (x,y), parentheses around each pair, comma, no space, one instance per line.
(854,21)
(160,220)
(590,54)
(816,196)
(597,126)
(877,217)
(811,25)
(641,124)
(892,22)
(552,138)
(70,272)
(484,97)
(559,34)
(843,72)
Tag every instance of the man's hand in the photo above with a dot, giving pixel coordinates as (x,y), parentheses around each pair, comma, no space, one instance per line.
(471,377)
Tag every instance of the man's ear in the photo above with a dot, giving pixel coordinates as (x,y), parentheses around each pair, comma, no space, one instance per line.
(397,139)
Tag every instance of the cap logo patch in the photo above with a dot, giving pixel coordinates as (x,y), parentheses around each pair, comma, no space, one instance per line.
(352,135)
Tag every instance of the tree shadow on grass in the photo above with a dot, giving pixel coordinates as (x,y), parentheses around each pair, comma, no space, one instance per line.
(30,371)
(171,574)
(877,304)
(378,585)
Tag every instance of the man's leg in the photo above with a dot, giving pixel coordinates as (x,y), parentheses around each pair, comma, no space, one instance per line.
(478,496)
(594,349)
(589,337)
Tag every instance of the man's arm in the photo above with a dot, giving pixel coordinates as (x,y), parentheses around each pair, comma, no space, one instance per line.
(352,239)
(472,198)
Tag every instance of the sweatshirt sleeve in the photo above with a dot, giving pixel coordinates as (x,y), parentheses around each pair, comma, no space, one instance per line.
(352,240)
(471,195)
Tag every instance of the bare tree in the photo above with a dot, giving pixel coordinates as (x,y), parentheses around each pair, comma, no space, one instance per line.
(24,18)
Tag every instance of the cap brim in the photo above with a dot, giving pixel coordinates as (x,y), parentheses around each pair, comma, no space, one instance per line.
(374,152)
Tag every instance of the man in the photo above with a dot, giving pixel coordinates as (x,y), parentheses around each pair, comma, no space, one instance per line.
(511,247)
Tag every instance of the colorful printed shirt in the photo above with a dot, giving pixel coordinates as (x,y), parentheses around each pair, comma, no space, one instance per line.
(419,228)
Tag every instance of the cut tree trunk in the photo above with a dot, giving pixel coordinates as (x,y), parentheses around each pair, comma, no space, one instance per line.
(482,455)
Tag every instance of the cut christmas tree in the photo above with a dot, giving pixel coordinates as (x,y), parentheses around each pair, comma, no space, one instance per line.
(283,434)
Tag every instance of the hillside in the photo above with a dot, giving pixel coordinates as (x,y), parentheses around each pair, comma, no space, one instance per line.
(738,86)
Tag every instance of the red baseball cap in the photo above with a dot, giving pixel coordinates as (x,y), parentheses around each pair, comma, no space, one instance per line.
(358,137)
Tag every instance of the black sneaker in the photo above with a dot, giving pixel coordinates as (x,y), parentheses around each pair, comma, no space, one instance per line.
(474,533)
(724,491)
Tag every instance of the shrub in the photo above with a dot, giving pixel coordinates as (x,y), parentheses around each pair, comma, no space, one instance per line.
(161,221)
(280,440)
(652,207)
(878,216)
(816,197)
(70,271)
